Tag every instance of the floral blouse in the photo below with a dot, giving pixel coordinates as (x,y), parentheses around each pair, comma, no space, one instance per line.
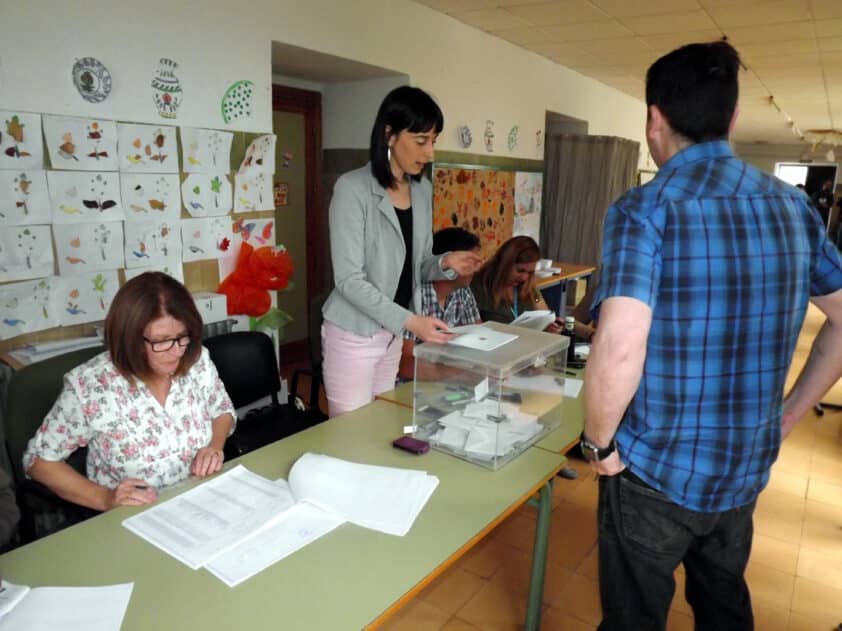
(127,431)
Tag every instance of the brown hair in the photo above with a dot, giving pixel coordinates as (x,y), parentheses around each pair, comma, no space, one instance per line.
(141,300)
(494,274)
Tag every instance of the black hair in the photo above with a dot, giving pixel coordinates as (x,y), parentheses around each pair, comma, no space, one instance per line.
(695,88)
(404,108)
(453,240)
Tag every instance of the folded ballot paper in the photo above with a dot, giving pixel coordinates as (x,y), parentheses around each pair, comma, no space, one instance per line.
(239,523)
(537,320)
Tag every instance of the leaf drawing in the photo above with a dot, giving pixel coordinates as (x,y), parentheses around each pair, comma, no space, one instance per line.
(15,128)
(67,149)
(157,204)
(99,283)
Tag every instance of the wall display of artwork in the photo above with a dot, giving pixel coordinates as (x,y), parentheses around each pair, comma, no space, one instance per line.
(21,146)
(172,268)
(528,191)
(237,101)
(25,252)
(478,200)
(84,298)
(206,195)
(205,238)
(152,242)
(253,192)
(24,198)
(83,197)
(166,89)
(81,144)
(86,247)
(147,148)
(260,156)
(27,307)
(205,150)
(256,232)
(148,196)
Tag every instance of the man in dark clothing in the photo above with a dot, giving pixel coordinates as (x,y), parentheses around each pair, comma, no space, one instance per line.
(823,200)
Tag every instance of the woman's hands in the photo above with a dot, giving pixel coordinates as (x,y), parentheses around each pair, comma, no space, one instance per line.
(428,329)
(130,492)
(464,262)
(207,460)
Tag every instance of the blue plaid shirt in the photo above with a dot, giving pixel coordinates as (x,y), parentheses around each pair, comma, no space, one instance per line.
(727,258)
(460,307)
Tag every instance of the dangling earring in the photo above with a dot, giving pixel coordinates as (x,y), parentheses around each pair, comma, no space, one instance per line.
(388,153)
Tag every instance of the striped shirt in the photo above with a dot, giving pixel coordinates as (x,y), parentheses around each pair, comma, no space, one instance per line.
(727,258)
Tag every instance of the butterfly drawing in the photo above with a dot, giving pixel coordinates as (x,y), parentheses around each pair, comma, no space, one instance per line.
(243,228)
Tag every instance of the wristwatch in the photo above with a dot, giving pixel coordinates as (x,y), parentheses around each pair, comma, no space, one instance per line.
(592,453)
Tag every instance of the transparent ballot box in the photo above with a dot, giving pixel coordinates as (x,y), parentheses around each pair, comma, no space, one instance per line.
(490,393)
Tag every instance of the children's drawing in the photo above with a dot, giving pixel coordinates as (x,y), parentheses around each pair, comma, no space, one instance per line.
(24,198)
(92,79)
(513,139)
(528,191)
(237,101)
(80,197)
(257,232)
(488,135)
(166,88)
(253,192)
(150,196)
(206,195)
(152,243)
(85,247)
(81,144)
(205,150)
(20,141)
(147,148)
(281,194)
(172,268)
(25,252)
(205,238)
(260,156)
(27,307)
(84,298)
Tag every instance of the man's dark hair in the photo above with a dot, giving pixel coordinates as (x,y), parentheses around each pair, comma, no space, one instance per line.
(454,240)
(695,87)
(404,108)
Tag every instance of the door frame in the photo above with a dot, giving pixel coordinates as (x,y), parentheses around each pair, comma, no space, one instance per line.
(309,104)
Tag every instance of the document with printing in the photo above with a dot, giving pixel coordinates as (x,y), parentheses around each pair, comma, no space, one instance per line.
(481,338)
(240,523)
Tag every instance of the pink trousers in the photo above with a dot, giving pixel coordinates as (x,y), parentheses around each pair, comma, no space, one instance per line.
(356,368)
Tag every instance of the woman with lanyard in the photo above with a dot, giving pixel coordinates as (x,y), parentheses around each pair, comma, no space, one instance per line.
(505,287)
(381,248)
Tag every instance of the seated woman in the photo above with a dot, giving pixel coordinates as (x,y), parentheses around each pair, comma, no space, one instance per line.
(505,286)
(151,409)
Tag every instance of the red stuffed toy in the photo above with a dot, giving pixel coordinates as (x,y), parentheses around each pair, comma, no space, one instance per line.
(257,272)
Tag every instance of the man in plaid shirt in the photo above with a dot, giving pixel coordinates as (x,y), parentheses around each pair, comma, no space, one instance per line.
(706,275)
(448,300)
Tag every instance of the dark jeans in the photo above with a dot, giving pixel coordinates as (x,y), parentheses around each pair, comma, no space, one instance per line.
(643,536)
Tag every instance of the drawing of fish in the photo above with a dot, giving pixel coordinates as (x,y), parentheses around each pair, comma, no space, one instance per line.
(13,322)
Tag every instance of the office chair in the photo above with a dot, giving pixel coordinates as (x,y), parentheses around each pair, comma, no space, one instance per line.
(245,361)
(32,391)
(314,326)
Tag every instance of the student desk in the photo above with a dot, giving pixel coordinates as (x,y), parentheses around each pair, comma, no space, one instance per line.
(352,578)
(554,288)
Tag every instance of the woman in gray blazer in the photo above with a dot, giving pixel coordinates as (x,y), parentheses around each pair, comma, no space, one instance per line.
(381,250)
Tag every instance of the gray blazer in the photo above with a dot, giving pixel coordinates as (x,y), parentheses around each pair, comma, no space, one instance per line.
(367,251)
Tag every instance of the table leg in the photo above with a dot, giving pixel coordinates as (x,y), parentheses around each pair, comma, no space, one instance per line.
(539,557)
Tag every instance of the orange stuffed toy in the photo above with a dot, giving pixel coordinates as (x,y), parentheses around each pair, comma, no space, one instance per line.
(257,272)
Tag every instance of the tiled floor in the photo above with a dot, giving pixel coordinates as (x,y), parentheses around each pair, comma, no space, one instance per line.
(795,572)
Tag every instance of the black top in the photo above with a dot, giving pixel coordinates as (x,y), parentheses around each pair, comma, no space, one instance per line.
(403,295)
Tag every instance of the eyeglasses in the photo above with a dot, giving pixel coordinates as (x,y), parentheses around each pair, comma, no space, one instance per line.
(161,346)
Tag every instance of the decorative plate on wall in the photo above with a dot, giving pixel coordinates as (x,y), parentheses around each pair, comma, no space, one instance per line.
(92,79)
(465,136)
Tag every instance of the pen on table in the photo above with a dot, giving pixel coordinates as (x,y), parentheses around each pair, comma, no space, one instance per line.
(570,372)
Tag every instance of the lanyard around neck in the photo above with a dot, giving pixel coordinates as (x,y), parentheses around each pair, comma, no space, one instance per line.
(514,302)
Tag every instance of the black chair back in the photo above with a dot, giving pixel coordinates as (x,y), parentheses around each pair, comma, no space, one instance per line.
(246,364)
(32,391)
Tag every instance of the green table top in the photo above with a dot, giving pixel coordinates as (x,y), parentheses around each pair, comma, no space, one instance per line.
(344,580)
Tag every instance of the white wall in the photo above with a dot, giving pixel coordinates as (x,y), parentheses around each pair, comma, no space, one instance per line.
(295,82)
(472,75)
(349,109)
